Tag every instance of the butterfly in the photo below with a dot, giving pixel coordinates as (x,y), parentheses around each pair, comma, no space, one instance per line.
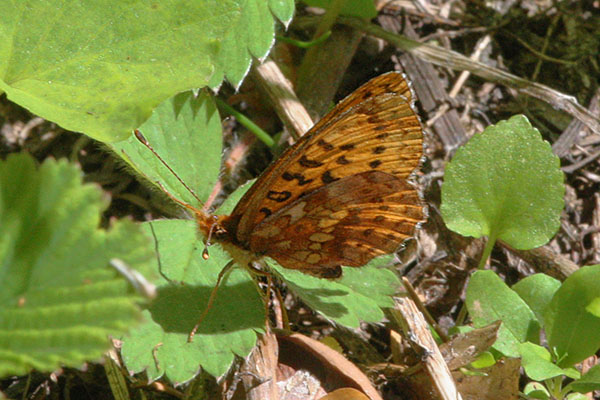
(340,196)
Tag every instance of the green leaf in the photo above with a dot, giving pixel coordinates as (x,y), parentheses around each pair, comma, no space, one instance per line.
(351,8)
(537,291)
(251,36)
(573,332)
(538,365)
(357,296)
(59,298)
(160,346)
(283,10)
(589,382)
(101,67)
(186,132)
(488,299)
(505,183)
(535,390)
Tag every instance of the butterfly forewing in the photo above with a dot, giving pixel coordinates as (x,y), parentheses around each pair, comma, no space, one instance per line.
(373,129)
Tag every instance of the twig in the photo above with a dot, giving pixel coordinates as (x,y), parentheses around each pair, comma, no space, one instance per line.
(481,45)
(456,61)
(281,94)
(415,329)
(575,166)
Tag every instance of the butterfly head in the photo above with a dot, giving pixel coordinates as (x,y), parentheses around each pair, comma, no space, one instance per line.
(214,228)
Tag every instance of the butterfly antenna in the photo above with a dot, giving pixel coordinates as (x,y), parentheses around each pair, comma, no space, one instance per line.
(211,299)
(142,139)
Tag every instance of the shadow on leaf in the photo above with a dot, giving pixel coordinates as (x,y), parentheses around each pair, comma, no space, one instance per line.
(178,308)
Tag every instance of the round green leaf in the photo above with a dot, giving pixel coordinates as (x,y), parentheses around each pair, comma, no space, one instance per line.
(505,183)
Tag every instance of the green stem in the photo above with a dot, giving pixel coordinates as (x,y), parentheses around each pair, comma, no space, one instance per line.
(247,123)
(305,44)
(489,246)
(329,18)
(554,386)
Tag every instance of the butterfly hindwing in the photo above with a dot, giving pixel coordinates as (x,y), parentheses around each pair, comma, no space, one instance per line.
(347,222)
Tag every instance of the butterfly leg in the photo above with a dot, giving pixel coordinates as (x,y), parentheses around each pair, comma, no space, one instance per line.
(211,299)
(282,320)
(266,296)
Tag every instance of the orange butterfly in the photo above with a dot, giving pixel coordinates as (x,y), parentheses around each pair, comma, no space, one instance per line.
(340,195)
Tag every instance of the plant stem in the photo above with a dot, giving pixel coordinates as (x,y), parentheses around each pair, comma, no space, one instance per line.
(247,123)
(489,246)
(305,44)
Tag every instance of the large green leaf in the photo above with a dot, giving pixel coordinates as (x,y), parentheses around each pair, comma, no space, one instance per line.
(59,298)
(505,183)
(572,331)
(160,346)
(100,67)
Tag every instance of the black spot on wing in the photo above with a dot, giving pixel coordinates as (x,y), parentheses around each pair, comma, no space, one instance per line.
(346,147)
(307,163)
(342,160)
(278,196)
(375,163)
(326,177)
(325,145)
(296,176)
(378,149)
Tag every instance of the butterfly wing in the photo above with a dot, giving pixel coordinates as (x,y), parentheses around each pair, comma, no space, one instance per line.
(373,129)
(347,222)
